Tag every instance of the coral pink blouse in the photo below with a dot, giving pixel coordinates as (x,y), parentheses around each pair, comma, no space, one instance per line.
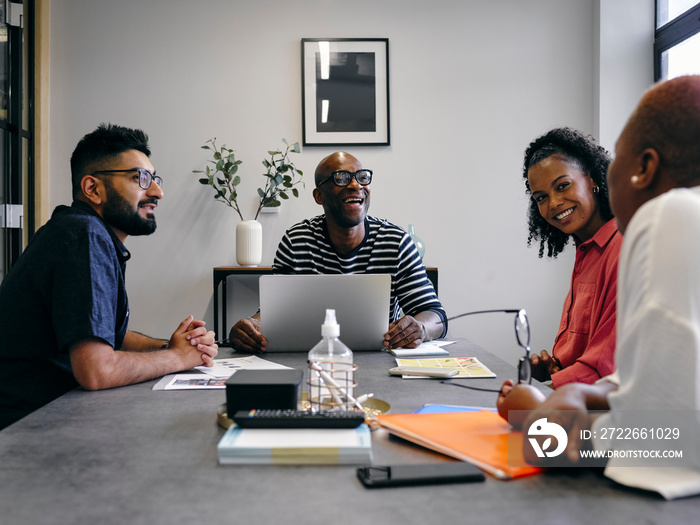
(585,342)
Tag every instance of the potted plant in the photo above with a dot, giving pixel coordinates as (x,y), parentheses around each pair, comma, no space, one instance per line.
(281,180)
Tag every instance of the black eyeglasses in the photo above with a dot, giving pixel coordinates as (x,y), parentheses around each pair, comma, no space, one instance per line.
(522,336)
(145,176)
(343,177)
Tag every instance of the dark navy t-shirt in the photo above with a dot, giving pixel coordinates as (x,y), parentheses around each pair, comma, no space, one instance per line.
(67,286)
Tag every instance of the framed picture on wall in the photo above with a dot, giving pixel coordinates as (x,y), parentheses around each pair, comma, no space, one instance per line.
(345,91)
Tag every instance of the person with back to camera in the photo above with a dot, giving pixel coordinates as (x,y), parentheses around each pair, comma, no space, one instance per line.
(654,185)
(346,240)
(564,174)
(68,287)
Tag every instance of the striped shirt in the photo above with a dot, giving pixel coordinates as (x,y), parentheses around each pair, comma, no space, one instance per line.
(386,248)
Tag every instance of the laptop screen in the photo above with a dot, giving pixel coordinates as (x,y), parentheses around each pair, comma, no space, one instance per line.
(293,308)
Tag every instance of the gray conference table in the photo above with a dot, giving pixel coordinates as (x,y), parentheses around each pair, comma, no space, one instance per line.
(134,455)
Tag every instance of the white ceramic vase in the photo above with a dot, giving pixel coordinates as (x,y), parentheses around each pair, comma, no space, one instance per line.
(249,243)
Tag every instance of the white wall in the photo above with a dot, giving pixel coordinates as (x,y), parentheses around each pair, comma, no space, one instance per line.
(472,83)
(626,68)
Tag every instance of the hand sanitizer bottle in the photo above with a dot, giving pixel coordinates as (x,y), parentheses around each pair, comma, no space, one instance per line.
(331,370)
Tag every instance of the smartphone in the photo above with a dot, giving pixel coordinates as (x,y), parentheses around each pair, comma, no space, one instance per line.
(423,371)
(425,474)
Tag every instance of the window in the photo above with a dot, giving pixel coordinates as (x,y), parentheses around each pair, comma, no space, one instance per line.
(677,38)
(16,129)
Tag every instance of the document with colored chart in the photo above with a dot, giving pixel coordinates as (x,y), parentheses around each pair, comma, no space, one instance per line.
(467,366)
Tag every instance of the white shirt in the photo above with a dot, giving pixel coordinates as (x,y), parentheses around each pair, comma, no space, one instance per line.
(658,339)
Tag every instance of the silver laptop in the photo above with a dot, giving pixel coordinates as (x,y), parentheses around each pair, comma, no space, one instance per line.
(293,308)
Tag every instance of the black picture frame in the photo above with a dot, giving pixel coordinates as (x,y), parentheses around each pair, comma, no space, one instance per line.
(345,91)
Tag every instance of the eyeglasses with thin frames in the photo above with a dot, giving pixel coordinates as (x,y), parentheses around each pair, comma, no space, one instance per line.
(343,178)
(522,336)
(145,176)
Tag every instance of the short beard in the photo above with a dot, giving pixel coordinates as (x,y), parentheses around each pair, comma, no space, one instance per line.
(118,213)
(337,213)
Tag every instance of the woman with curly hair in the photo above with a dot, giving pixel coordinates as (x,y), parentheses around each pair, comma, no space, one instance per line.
(565,174)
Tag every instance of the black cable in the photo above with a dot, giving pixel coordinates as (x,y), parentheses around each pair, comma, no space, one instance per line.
(447,382)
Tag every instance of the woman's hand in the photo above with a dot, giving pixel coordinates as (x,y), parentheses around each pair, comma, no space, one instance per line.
(544,365)
(520,398)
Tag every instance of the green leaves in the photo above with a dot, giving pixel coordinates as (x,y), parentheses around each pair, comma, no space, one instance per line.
(281,176)
(222,178)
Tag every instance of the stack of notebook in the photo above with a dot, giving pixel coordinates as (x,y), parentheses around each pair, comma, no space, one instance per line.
(297,446)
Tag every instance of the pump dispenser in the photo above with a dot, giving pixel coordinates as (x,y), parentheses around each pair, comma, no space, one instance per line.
(331,370)
(330,327)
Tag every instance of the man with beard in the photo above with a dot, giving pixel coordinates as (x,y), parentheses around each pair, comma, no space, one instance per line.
(67,290)
(346,240)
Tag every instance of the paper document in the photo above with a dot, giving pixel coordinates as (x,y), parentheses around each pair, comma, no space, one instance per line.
(225,367)
(214,377)
(190,382)
(467,366)
(429,348)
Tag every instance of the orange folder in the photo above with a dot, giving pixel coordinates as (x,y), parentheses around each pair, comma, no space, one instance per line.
(481,438)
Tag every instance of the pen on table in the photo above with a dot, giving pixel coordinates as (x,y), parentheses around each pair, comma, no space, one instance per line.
(364,397)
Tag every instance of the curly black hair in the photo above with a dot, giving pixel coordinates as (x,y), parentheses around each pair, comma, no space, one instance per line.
(589,157)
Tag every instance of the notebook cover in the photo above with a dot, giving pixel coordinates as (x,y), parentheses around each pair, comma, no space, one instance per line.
(480,438)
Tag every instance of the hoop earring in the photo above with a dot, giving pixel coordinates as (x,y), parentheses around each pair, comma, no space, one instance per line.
(595,190)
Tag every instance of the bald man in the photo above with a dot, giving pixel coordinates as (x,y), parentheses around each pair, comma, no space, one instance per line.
(654,185)
(346,240)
